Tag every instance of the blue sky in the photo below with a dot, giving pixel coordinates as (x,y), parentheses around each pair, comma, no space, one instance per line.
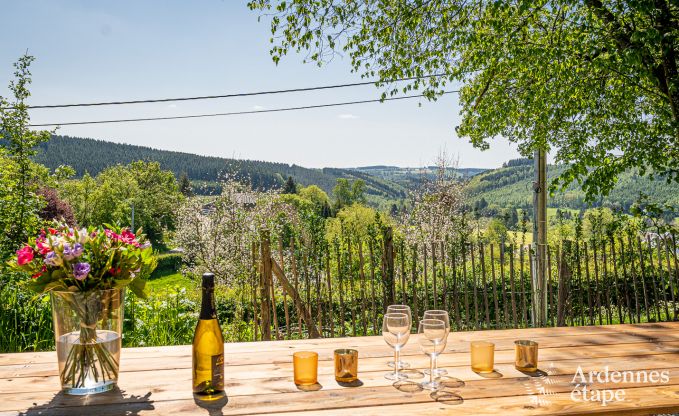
(99,51)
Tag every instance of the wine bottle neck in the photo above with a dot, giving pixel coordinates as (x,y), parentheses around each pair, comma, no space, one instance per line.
(207,308)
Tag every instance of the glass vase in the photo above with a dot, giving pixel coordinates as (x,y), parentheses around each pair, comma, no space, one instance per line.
(87,329)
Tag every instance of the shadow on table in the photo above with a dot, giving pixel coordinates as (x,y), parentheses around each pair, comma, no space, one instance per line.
(213,403)
(537,373)
(62,404)
(443,396)
(492,374)
(309,387)
(355,383)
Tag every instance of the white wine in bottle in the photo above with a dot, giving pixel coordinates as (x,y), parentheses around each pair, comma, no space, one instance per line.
(208,345)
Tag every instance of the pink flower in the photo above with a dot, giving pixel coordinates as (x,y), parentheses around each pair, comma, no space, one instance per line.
(128,237)
(42,246)
(24,255)
(112,235)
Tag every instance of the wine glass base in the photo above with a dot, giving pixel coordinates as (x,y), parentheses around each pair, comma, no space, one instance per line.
(431,385)
(437,373)
(401,365)
(392,376)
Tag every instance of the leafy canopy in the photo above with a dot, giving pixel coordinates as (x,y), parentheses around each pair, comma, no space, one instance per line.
(596,81)
(19,175)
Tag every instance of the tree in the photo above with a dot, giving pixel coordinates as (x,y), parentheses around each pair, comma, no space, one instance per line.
(19,175)
(289,187)
(110,196)
(318,198)
(597,80)
(185,185)
(496,231)
(55,208)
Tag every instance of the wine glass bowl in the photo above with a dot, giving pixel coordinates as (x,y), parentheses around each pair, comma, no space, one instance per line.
(432,337)
(396,332)
(443,316)
(406,310)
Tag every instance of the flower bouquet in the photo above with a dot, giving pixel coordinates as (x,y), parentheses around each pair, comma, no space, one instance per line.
(85,272)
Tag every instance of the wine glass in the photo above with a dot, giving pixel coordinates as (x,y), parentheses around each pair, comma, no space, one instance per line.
(396,331)
(432,337)
(406,310)
(442,315)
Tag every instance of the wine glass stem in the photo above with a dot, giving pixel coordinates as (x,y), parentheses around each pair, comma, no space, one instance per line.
(396,361)
(432,367)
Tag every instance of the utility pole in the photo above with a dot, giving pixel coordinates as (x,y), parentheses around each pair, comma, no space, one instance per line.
(540,240)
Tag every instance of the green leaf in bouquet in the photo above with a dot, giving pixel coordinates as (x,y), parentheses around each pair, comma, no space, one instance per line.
(138,287)
(121,283)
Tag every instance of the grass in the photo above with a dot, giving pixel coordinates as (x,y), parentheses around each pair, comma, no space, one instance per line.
(171,280)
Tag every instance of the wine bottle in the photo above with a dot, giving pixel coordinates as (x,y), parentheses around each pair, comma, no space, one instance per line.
(208,345)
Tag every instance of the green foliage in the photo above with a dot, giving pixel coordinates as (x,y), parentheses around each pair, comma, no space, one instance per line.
(496,232)
(356,222)
(596,81)
(109,198)
(185,185)
(511,187)
(289,187)
(168,263)
(347,193)
(19,176)
(25,324)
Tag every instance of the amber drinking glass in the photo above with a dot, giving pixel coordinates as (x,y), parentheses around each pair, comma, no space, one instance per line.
(305,365)
(346,365)
(483,356)
(526,355)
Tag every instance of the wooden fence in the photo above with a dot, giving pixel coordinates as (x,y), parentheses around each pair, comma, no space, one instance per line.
(299,289)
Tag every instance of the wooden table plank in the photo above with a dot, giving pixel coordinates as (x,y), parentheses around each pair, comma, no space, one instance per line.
(259,378)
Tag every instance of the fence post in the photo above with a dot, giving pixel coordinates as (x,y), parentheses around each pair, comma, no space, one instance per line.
(565,274)
(265,285)
(388,266)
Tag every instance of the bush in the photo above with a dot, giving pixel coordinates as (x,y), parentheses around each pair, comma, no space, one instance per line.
(168,263)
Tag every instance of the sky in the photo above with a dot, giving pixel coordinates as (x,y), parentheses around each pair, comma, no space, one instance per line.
(91,51)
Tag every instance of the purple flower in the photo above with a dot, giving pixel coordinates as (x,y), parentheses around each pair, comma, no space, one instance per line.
(72,252)
(81,270)
(53,259)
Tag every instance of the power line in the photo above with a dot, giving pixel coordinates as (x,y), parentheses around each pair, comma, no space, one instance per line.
(211,97)
(273,110)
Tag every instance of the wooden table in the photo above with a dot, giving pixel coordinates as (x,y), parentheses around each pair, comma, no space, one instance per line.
(157,380)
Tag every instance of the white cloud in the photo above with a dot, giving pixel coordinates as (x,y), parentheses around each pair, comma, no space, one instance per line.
(347,116)
(258,107)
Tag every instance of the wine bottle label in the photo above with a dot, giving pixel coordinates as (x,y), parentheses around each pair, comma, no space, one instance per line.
(218,370)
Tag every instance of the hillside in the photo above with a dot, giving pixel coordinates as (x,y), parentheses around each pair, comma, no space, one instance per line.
(511,186)
(93,156)
(411,178)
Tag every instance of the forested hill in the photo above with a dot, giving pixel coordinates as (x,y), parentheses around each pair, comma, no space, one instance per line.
(93,156)
(511,186)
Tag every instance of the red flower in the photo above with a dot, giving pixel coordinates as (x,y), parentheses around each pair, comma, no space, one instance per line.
(38,274)
(24,255)
(52,231)
(114,271)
